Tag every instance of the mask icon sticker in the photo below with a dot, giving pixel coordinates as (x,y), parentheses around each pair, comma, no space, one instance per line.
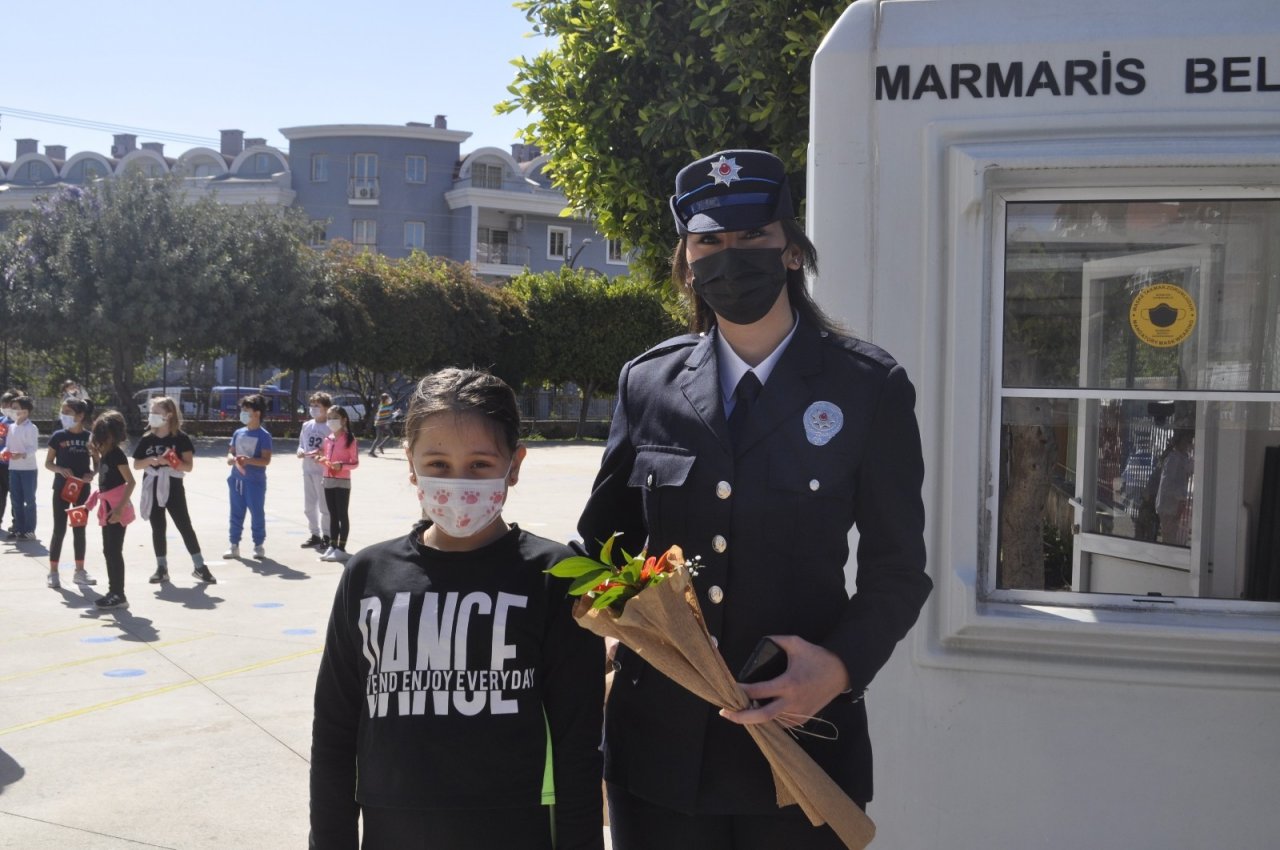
(1162,315)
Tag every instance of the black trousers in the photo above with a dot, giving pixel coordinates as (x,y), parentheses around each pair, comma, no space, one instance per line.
(4,489)
(526,828)
(338,500)
(60,506)
(637,824)
(113,553)
(176,508)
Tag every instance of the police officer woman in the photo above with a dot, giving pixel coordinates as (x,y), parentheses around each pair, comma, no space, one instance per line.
(758,443)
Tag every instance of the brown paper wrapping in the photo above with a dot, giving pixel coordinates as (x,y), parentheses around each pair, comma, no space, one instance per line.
(663,624)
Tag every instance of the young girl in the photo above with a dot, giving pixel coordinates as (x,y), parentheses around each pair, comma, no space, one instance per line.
(457,699)
(22,444)
(68,459)
(115,486)
(339,455)
(165,454)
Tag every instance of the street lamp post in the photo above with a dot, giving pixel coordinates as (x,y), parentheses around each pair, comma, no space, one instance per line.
(574,257)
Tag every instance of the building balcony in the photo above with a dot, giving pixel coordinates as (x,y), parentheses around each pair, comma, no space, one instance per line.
(363,191)
(501,254)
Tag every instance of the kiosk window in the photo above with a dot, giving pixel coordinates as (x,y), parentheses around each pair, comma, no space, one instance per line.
(1139,400)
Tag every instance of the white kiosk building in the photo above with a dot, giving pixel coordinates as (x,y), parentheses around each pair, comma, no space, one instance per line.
(1064,220)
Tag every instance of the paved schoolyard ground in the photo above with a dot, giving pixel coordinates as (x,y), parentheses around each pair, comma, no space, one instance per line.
(184,721)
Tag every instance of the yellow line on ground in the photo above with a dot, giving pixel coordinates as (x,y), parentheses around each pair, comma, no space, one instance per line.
(102,706)
(79,661)
(17,638)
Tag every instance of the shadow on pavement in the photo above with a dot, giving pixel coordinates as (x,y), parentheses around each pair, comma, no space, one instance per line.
(10,770)
(196,598)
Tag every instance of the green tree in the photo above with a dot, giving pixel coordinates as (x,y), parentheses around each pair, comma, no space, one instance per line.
(585,327)
(631,92)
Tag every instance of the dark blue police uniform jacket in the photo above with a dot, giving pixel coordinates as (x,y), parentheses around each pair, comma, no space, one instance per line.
(771,522)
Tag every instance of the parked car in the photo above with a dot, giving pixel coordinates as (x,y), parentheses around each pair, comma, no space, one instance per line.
(352,404)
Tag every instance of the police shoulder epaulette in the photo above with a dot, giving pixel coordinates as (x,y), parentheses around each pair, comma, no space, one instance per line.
(668,345)
(861,349)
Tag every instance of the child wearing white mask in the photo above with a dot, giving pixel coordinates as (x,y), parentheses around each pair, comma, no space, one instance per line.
(339,455)
(164,455)
(310,441)
(248,455)
(457,698)
(69,460)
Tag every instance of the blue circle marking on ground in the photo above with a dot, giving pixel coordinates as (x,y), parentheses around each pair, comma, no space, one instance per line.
(99,639)
(299,631)
(268,605)
(125,673)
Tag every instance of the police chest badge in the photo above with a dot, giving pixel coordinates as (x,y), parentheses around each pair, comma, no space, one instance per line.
(822,421)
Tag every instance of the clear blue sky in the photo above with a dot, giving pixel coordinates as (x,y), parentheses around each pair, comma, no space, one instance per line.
(195,68)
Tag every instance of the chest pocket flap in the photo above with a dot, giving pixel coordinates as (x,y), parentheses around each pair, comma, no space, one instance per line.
(660,466)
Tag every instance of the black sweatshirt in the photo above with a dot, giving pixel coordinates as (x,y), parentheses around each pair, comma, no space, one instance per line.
(438,668)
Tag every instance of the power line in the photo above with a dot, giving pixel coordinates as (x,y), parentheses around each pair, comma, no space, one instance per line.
(87,124)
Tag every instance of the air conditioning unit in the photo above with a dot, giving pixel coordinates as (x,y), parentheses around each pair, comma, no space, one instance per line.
(364,192)
(517,223)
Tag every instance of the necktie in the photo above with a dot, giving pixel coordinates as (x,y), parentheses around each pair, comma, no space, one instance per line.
(748,389)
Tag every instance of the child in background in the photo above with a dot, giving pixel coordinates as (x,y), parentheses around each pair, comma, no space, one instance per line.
(340,455)
(69,460)
(115,486)
(310,441)
(22,444)
(494,740)
(248,456)
(6,421)
(382,424)
(165,454)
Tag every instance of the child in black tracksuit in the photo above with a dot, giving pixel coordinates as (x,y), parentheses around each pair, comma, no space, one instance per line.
(458,704)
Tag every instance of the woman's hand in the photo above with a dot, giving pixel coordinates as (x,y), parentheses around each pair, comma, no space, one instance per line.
(813,678)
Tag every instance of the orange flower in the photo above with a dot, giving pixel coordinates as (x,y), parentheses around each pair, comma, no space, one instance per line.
(650,569)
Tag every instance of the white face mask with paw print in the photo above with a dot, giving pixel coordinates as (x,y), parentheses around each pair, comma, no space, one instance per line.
(462,506)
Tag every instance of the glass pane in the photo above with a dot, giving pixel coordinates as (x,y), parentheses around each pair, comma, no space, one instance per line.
(1176,295)
(1133,496)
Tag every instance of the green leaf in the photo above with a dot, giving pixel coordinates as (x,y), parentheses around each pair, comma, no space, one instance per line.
(606,551)
(576,566)
(588,581)
(607,598)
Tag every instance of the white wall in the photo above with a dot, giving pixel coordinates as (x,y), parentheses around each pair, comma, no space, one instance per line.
(1011,726)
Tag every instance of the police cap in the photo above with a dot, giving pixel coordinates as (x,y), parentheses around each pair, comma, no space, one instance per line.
(731,190)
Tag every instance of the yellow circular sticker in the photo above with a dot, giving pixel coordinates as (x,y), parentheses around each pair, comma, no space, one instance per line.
(1162,315)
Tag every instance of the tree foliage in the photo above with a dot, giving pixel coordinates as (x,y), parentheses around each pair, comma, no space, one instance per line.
(130,265)
(585,327)
(631,92)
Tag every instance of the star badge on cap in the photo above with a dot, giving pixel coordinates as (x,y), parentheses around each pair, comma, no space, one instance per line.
(725,170)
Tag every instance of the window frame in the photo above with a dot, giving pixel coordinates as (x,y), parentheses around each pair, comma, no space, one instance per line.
(975,163)
(566,234)
(614,257)
(320,168)
(422,228)
(996,394)
(370,228)
(487,169)
(413,157)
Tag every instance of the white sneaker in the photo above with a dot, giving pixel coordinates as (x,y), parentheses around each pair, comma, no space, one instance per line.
(341,555)
(52,581)
(82,577)
(259,553)
(328,554)
(233,551)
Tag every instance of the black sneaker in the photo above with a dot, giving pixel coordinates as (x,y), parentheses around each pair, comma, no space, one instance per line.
(204,575)
(312,542)
(111,600)
(160,575)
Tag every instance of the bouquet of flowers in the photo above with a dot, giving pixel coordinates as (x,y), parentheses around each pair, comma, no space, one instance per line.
(172,458)
(649,604)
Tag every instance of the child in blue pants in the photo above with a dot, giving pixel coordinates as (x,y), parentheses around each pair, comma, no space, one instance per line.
(248,456)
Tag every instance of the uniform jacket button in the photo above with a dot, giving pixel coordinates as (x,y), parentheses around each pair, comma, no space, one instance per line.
(724,489)
(715,594)
(719,543)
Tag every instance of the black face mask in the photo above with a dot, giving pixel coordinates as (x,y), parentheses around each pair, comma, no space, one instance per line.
(740,284)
